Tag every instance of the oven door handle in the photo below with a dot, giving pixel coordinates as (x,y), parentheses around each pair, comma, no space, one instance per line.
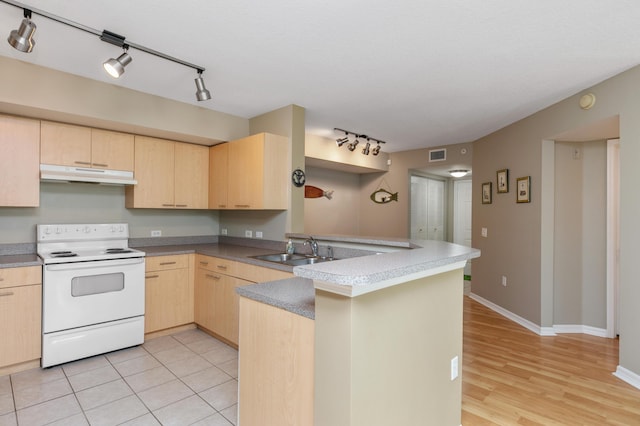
(94,264)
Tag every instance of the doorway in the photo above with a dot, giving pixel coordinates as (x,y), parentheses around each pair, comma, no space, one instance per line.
(427,209)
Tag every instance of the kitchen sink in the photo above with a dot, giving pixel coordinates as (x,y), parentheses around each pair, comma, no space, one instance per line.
(292,259)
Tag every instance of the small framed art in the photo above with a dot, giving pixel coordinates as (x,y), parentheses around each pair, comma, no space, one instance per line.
(502,178)
(486,193)
(523,185)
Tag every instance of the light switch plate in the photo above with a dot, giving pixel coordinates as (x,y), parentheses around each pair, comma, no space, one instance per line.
(248,233)
(156,233)
(484,232)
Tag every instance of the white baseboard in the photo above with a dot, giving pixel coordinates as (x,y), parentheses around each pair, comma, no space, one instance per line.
(542,331)
(582,329)
(627,376)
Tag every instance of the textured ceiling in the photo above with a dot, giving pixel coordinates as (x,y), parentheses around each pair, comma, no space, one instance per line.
(415,73)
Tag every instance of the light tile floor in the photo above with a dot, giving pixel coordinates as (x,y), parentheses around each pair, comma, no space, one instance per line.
(188,378)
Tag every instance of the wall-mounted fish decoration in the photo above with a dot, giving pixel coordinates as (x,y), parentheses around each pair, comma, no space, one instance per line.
(315,192)
(382,196)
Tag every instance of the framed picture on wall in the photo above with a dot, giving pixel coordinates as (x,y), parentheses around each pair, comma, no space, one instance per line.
(486,193)
(502,179)
(523,185)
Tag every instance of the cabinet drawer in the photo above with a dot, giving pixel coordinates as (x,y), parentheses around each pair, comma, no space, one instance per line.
(215,264)
(14,277)
(259,274)
(163,263)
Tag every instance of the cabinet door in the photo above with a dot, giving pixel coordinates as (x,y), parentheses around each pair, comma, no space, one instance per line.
(111,150)
(19,162)
(226,309)
(65,144)
(204,295)
(245,172)
(154,171)
(218,176)
(191,176)
(20,317)
(167,300)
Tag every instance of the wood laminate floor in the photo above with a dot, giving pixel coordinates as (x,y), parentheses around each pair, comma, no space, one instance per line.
(512,376)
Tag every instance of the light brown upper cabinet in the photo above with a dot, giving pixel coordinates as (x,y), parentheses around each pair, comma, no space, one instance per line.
(69,145)
(257,176)
(218,176)
(19,162)
(170,175)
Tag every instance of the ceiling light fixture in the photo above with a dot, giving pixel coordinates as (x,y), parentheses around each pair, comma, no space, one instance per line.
(115,67)
(352,146)
(22,38)
(202,94)
(458,173)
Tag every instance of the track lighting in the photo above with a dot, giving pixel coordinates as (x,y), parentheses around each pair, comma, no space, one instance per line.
(352,146)
(115,67)
(22,38)
(202,94)
(365,150)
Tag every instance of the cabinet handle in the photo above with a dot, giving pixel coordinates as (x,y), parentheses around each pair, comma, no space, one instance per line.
(243,206)
(6,293)
(222,206)
(100,165)
(181,205)
(204,263)
(213,277)
(151,276)
(88,163)
(224,268)
(167,263)
(167,205)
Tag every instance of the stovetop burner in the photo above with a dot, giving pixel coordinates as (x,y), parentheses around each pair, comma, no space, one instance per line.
(118,250)
(64,253)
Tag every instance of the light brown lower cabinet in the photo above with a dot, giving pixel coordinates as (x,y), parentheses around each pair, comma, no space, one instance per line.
(276,365)
(168,292)
(216,300)
(20,314)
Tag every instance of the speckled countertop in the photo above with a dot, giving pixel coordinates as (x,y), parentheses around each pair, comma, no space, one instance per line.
(295,295)
(19,260)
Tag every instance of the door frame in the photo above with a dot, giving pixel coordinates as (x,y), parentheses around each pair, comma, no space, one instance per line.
(613,234)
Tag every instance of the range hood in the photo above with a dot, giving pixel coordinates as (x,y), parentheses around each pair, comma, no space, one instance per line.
(51,172)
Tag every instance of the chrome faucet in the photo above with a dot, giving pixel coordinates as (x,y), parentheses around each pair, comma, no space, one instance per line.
(313,244)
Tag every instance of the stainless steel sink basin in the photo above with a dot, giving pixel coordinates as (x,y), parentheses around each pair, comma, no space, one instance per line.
(291,259)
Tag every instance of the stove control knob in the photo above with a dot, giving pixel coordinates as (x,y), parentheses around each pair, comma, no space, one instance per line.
(121,228)
(47,230)
(87,229)
(59,230)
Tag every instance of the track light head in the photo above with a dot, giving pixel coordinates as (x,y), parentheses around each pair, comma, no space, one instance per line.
(342,141)
(22,38)
(365,150)
(376,150)
(202,94)
(115,67)
(352,145)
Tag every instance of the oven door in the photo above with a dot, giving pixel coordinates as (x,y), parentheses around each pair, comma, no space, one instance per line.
(85,293)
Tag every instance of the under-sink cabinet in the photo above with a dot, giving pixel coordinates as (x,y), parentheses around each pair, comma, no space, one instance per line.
(77,146)
(170,175)
(168,292)
(19,162)
(20,314)
(216,301)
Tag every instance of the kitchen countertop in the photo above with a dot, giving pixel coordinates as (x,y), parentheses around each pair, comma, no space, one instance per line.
(295,295)
(19,260)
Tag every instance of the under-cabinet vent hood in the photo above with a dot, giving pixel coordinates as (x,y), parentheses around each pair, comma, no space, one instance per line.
(51,172)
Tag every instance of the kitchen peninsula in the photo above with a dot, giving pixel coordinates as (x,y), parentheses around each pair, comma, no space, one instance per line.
(373,340)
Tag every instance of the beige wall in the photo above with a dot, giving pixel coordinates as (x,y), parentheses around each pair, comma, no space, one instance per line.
(519,234)
(338,215)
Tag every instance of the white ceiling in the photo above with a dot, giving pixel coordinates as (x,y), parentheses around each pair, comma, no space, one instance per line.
(415,73)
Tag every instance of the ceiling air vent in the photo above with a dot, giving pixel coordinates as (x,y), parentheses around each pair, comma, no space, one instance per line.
(438,154)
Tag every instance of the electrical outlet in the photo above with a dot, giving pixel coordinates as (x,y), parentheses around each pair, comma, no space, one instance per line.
(258,234)
(248,233)
(156,233)
(504,280)
(224,231)
(484,232)
(454,368)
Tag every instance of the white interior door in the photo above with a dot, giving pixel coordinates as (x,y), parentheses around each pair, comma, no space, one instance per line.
(427,208)
(462,212)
